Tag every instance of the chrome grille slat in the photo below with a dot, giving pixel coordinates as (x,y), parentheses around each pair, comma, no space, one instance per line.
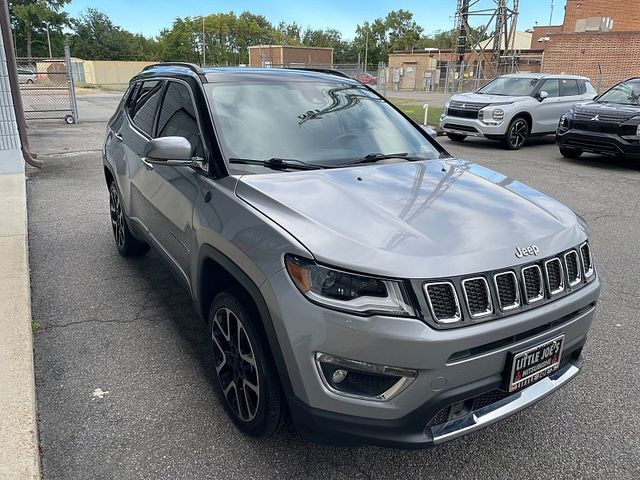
(443,302)
(554,275)
(533,283)
(572,265)
(508,291)
(587,262)
(478,297)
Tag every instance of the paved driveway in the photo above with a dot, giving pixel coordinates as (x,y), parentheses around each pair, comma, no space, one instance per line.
(124,381)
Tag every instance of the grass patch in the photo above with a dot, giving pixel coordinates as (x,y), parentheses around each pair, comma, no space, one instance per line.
(35,326)
(415,110)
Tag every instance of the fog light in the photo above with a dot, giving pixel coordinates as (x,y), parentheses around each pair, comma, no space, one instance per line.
(361,379)
(339,376)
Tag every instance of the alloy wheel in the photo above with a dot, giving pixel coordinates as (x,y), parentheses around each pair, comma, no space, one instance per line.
(117,218)
(235,364)
(518,133)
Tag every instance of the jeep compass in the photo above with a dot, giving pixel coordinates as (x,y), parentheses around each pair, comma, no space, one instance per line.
(351,274)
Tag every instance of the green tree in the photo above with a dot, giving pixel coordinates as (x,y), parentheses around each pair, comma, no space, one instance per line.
(95,37)
(29,20)
(404,32)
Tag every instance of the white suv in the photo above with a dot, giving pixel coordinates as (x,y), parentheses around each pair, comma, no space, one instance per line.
(513,107)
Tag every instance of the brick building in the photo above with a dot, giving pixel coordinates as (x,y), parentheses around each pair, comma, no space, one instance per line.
(289,56)
(599,39)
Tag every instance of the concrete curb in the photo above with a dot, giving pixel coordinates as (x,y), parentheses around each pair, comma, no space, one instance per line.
(19,452)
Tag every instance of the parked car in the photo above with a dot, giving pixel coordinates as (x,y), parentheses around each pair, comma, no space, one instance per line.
(513,107)
(368,79)
(26,75)
(610,125)
(348,269)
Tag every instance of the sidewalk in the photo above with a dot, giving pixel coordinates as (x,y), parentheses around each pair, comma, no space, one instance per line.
(19,453)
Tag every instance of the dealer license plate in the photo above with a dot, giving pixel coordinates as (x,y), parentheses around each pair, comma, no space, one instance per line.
(535,363)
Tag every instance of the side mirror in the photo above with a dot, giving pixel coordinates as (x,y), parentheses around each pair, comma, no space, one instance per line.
(172,151)
(542,95)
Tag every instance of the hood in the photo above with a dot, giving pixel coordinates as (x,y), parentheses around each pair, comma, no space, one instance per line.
(620,112)
(433,218)
(489,99)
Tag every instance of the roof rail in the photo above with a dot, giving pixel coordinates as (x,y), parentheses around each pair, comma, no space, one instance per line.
(191,66)
(329,71)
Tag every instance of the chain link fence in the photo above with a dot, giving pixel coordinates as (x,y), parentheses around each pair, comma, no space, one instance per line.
(46,87)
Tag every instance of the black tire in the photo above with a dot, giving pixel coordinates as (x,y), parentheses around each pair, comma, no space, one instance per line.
(244,368)
(126,243)
(570,152)
(456,137)
(517,134)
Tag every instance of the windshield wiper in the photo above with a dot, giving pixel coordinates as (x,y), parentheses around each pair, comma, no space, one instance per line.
(374,157)
(278,163)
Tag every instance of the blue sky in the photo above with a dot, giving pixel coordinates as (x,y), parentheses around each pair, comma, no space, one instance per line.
(150,16)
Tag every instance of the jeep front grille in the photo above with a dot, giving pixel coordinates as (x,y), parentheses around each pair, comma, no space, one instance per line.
(478,296)
(507,289)
(532,282)
(571,263)
(500,293)
(443,302)
(555,280)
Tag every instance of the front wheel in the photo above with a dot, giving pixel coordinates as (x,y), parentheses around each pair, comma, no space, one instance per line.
(517,134)
(456,137)
(126,243)
(244,368)
(570,152)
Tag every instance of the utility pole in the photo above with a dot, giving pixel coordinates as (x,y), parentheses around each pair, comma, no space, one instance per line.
(48,40)
(551,14)
(366,49)
(204,46)
(204,43)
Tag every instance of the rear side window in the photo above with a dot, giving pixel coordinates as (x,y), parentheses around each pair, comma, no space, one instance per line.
(569,87)
(144,104)
(582,87)
(178,117)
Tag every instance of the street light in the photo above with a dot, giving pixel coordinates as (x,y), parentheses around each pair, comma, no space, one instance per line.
(48,39)
(204,43)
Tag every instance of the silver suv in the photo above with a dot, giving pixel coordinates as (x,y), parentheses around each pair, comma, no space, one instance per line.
(347,269)
(513,107)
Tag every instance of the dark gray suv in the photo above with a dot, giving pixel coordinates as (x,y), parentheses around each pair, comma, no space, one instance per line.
(351,273)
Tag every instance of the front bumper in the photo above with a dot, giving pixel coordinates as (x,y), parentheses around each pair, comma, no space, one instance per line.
(471,127)
(597,142)
(414,418)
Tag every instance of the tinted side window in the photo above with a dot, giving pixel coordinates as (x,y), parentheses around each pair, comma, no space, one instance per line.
(178,117)
(569,87)
(552,87)
(143,109)
(582,87)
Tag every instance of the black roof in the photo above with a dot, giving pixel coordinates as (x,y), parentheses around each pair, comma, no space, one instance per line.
(222,74)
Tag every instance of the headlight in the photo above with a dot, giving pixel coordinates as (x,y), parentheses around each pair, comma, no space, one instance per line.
(638,131)
(445,109)
(498,115)
(350,292)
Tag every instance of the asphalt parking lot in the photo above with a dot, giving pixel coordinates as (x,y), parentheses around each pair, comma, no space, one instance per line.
(125,388)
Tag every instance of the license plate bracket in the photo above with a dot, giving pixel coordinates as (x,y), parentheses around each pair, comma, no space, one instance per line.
(535,363)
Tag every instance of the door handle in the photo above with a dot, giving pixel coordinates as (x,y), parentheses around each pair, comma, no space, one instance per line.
(118,136)
(147,164)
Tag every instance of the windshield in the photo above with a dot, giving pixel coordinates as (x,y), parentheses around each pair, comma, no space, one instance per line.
(314,122)
(511,86)
(627,93)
